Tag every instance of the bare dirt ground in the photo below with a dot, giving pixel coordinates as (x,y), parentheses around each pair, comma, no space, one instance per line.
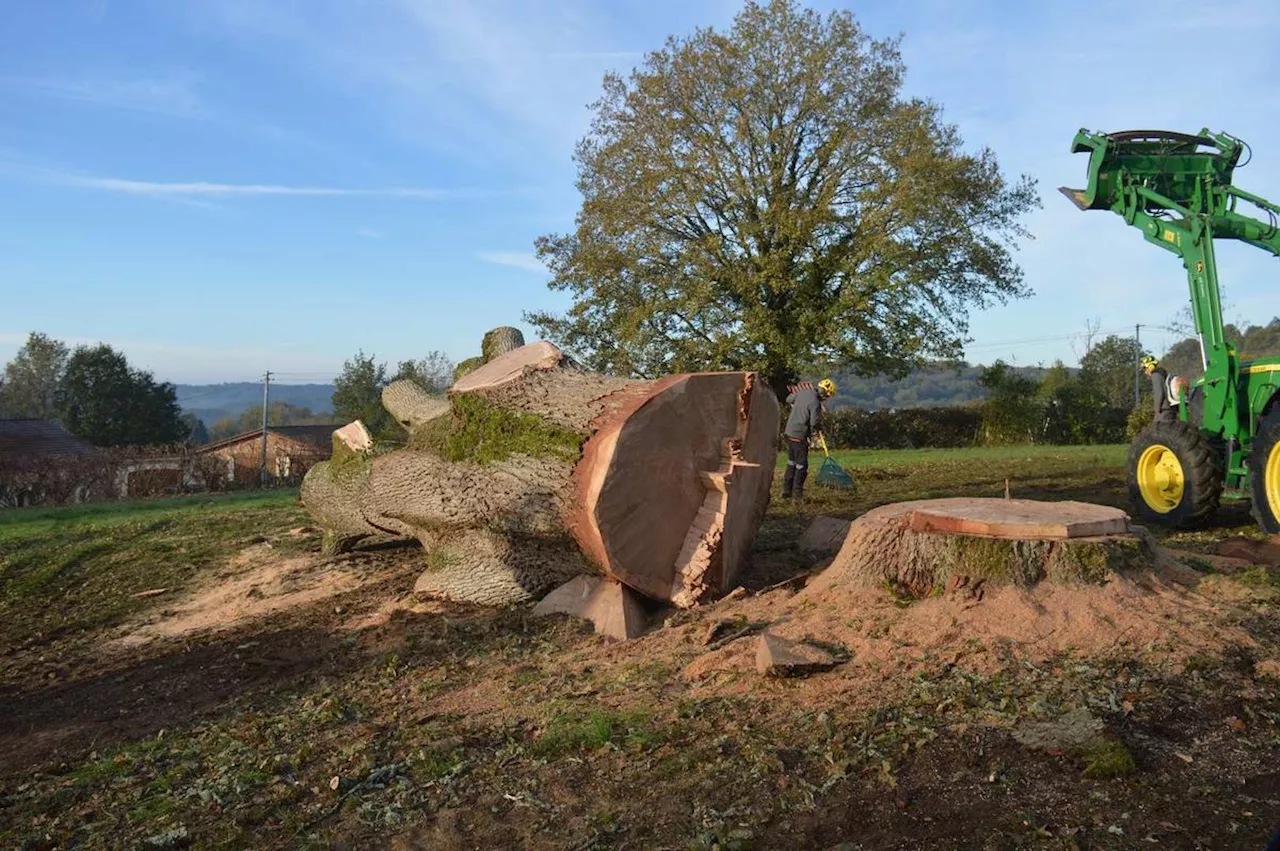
(274,697)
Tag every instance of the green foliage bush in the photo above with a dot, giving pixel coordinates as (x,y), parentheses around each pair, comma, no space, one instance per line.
(856,428)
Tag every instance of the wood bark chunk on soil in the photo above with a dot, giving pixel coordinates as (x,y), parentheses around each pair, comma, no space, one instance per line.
(781,657)
(1253,551)
(611,607)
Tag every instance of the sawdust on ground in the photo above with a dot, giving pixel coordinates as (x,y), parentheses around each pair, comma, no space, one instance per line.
(1149,616)
(256,583)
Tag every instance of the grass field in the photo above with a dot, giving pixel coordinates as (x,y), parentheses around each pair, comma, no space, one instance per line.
(193,673)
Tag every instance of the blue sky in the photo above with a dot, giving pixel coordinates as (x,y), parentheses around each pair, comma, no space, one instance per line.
(220,187)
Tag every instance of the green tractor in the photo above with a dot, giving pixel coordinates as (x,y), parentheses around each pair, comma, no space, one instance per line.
(1176,189)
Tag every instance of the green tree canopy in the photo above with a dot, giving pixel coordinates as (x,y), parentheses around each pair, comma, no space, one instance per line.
(197,433)
(109,403)
(33,379)
(357,394)
(1109,368)
(767,198)
(434,373)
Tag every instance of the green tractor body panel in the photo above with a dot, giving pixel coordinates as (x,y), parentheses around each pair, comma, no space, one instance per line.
(1176,189)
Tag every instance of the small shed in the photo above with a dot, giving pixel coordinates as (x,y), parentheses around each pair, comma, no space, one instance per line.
(291,451)
(40,461)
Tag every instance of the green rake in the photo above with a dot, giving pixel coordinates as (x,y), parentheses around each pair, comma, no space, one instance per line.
(831,473)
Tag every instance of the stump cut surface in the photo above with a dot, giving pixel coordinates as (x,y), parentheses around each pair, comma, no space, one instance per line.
(1016,518)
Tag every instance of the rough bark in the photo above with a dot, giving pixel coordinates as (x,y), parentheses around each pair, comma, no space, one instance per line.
(412,406)
(897,545)
(540,471)
(499,341)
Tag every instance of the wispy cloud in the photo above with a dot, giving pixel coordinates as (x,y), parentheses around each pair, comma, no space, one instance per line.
(484,81)
(173,96)
(196,190)
(370,233)
(203,188)
(514,259)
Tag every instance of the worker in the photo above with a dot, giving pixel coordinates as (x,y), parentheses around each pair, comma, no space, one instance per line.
(1165,390)
(803,424)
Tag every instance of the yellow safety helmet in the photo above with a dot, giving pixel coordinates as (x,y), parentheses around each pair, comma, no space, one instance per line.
(827,386)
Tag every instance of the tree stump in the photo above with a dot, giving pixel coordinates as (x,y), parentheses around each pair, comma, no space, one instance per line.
(923,547)
(540,471)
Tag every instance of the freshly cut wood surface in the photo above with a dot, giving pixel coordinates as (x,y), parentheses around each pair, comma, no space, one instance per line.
(1017,518)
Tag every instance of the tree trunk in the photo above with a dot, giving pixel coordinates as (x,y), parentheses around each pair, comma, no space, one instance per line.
(541,471)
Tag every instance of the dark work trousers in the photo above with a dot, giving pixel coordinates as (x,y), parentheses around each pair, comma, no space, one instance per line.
(797,468)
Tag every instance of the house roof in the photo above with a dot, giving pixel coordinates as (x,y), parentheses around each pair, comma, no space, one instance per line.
(319,436)
(30,438)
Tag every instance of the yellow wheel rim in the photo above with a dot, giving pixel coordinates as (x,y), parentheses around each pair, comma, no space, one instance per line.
(1160,478)
(1271,479)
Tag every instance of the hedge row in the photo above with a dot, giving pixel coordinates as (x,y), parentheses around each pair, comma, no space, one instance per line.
(973,425)
(906,428)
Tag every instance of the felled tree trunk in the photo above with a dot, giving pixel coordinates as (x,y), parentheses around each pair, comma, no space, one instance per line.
(541,470)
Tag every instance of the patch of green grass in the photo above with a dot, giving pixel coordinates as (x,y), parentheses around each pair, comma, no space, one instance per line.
(1258,577)
(18,522)
(599,728)
(1107,455)
(1107,759)
(93,560)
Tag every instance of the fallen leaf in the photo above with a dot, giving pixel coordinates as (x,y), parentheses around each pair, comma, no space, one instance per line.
(1183,757)
(1235,724)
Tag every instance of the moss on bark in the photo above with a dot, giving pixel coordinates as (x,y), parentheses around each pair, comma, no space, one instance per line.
(478,431)
(468,365)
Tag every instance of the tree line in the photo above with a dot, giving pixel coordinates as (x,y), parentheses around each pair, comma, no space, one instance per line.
(96,394)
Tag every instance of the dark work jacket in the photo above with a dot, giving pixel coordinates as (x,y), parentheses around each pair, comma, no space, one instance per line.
(806,414)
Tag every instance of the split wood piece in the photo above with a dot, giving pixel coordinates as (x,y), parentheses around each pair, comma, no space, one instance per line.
(824,536)
(886,546)
(659,485)
(781,657)
(611,607)
(412,406)
(1018,518)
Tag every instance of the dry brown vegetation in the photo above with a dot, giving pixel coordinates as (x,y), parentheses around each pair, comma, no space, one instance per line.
(198,674)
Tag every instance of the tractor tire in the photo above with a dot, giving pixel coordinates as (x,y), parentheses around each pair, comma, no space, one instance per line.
(1264,472)
(1175,478)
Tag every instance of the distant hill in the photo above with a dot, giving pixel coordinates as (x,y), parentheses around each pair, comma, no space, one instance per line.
(212,402)
(935,386)
(930,387)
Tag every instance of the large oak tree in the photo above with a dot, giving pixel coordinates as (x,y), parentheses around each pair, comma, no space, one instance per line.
(767,198)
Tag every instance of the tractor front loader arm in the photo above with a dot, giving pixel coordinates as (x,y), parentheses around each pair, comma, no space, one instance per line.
(1176,189)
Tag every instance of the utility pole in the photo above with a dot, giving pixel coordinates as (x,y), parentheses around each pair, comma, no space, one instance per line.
(1137,364)
(266,385)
